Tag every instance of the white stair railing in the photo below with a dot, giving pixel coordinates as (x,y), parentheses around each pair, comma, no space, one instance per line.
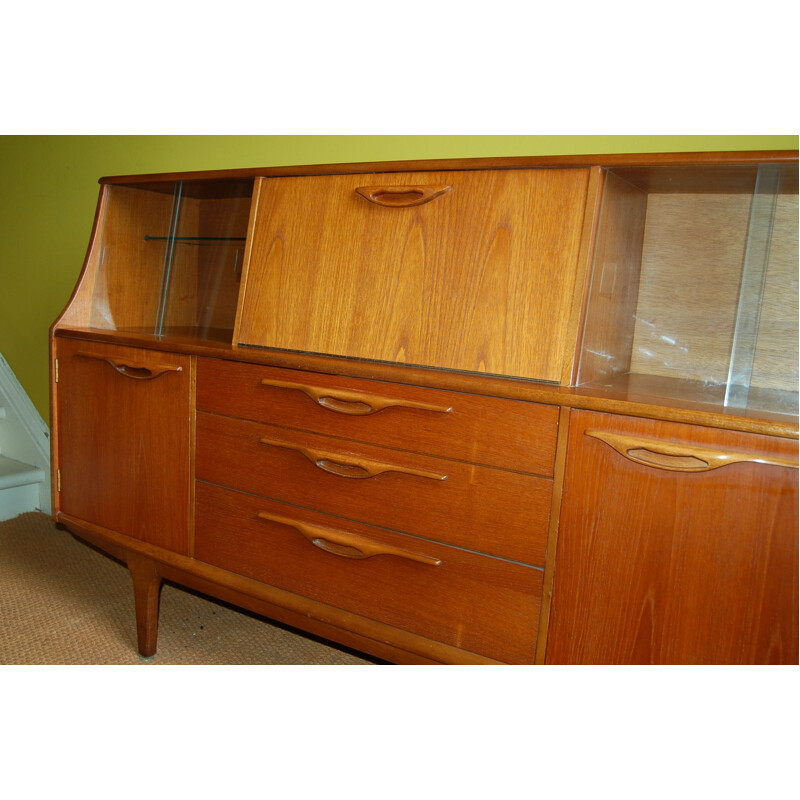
(24,450)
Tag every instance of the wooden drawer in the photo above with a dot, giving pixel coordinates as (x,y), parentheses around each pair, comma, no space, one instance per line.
(489,510)
(480,604)
(509,434)
(480,278)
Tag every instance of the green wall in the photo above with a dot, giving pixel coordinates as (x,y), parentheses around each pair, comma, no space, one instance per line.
(48,192)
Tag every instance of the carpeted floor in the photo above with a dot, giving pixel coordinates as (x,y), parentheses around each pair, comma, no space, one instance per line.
(62,602)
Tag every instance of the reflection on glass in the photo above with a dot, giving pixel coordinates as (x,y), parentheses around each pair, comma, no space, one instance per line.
(171,258)
(694,293)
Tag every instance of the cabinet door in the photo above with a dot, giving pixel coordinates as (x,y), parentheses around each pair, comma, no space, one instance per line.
(472,270)
(123,422)
(671,549)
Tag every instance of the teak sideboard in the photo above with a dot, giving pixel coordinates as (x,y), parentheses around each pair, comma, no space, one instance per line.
(521,410)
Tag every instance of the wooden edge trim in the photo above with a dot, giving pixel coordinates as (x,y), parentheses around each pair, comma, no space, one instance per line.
(301,622)
(335,617)
(54,450)
(708,419)
(276,613)
(583,275)
(505,162)
(78,307)
(192,449)
(98,543)
(255,205)
(552,535)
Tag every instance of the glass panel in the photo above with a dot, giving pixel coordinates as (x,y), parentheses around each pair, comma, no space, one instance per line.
(202,288)
(772,300)
(171,258)
(127,292)
(751,290)
(694,293)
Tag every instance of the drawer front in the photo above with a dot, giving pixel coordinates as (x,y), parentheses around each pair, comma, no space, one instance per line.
(479,278)
(480,508)
(509,434)
(477,603)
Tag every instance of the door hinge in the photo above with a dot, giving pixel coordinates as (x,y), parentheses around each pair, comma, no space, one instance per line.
(58,479)
(56,369)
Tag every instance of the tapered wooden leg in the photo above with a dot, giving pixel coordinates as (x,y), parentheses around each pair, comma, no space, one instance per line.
(146,594)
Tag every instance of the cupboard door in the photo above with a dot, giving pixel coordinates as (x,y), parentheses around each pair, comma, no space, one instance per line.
(677,545)
(472,270)
(123,420)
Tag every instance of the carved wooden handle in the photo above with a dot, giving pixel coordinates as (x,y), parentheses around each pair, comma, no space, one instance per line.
(344,467)
(353,403)
(347,545)
(135,369)
(680,457)
(402,196)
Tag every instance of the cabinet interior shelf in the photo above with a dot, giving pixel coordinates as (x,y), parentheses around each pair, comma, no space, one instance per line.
(195,239)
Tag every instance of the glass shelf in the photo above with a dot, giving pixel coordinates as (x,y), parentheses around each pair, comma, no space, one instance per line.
(196,239)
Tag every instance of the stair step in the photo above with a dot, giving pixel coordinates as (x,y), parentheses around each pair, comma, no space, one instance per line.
(15,473)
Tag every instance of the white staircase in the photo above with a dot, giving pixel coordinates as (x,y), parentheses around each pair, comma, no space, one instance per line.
(24,450)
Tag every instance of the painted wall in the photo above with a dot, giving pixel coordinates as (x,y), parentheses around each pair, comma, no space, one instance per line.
(48,193)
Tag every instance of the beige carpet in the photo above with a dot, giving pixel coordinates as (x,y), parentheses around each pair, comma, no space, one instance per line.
(62,602)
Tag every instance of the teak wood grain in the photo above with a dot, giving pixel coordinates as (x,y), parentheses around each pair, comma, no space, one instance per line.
(552,535)
(489,510)
(481,430)
(663,567)
(628,399)
(382,443)
(340,626)
(480,279)
(481,604)
(147,595)
(124,441)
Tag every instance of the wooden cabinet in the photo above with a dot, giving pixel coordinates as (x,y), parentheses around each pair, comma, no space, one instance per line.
(507,411)
(677,544)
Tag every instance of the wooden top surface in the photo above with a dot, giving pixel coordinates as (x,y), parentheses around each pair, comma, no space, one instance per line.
(508,162)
